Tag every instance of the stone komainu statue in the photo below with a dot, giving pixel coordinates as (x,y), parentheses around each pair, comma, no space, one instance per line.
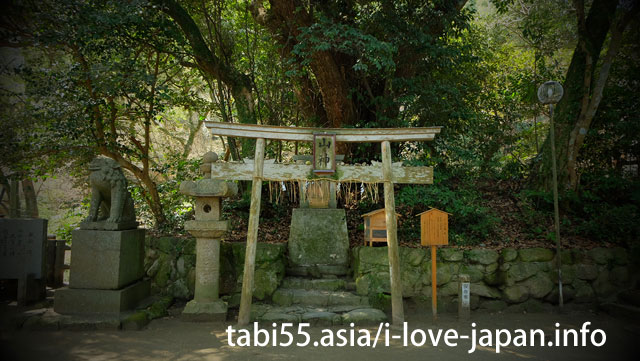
(111,202)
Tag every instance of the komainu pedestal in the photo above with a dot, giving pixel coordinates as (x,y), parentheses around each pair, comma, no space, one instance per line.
(106,273)
(107,254)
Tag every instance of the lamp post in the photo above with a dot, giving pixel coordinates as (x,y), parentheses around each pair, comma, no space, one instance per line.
(550,93)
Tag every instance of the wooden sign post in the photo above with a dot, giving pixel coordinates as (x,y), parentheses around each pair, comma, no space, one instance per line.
(434,231)
(324,153)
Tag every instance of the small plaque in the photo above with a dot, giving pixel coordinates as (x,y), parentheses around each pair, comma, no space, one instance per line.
(324,153)
(466,297)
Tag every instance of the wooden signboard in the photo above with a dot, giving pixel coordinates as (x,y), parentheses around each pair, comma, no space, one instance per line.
(434,231)
(318,194)
(324,153)
(434,228)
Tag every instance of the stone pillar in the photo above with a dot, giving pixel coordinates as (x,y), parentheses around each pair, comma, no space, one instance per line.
(208,230)
(464,297)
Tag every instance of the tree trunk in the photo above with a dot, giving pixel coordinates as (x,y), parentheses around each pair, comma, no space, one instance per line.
(285,19)
(211,65)
(30,199)
(154,203)
(587,113)
(14,199)
(577,90)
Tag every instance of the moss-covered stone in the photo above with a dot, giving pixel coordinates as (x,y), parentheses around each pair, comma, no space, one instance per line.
(536,254)
(372,259)
(475,272)
(411,256)
(580,256)
(567,257)
(179,289)
(282,297)
(516,294)
(159,308)
(601,255)
(318,237)
(451,254)
(188,246)
(491,268)
(165,267)
(534,306)
(372,283)
(482,256)
(426,273)
(568,294)
(587,271)
(522,270)
(381,301)
(448,289)
(266,281)
(191,281)
(603,287)
(620,256)
(166,244)
(539,285)
(493,305)
(411,282)
(483,290)
(583,291)
(136,321)
(509,254)
(364,316)
(619,276)
(445,272)
(568,274)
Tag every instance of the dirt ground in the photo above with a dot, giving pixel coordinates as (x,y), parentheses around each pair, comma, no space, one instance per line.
(172,339)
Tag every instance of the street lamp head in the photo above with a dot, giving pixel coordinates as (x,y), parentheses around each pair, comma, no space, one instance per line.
(550,92)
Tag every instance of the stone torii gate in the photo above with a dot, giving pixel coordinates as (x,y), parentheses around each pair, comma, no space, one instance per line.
(387,173)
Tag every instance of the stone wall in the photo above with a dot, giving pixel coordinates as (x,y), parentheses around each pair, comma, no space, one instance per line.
(170,263)
(520,280)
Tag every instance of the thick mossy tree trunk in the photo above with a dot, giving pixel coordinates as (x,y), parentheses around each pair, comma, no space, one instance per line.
(583,87)
(333,93)
(215,67)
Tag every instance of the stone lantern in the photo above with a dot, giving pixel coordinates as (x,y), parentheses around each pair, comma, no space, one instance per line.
(208,229)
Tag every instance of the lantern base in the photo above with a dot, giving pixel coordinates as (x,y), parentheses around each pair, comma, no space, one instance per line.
(214,311)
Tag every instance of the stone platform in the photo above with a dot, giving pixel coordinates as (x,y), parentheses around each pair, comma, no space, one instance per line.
(107,260)
(318,242)
(319,302)
(106,273)
(82,301)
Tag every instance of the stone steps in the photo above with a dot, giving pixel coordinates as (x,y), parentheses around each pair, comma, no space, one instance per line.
(321,284)
(296,296)
(318,316)
(622,311)
(324,301)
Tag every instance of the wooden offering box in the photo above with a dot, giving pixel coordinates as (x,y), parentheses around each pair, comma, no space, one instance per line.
(434,228)
(375,227)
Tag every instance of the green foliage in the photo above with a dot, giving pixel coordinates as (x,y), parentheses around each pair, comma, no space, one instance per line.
(72,218)
(470,222)
(122,79)
(177,207)
(605,209)
(371,54)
